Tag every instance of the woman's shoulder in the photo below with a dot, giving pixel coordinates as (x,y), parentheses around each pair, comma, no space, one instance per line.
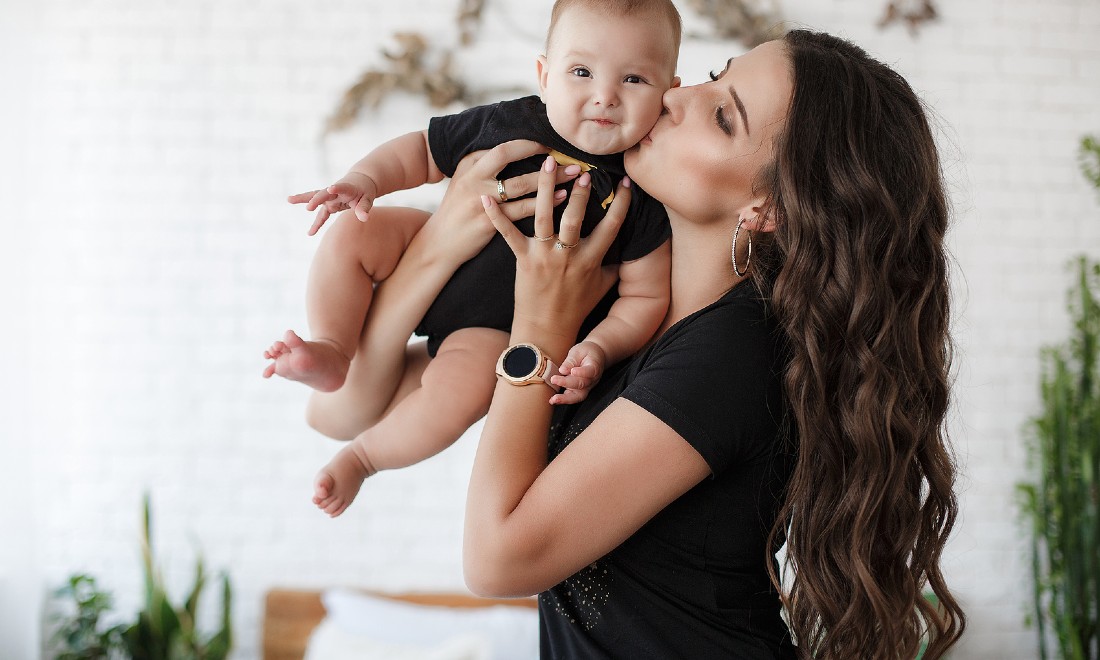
(741,312)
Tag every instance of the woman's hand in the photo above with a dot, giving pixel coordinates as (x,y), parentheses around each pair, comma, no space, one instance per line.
(559,281)
(457,230)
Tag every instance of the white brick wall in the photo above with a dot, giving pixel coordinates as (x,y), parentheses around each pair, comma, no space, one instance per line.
(148,258)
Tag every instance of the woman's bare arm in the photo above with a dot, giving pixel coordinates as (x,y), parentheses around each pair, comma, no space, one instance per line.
(530,524)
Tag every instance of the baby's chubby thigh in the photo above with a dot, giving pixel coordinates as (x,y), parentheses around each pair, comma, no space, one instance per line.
(461,378)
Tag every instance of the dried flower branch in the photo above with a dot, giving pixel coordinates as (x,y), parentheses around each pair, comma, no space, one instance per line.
(912,12)
(469,19)
(743,20)
(408,73)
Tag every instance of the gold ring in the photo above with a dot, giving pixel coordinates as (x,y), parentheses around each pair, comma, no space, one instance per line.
(565,246)
(543,239)
(500,192)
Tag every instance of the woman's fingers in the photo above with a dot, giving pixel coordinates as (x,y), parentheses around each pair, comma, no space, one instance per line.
(544,201)
(525,184)
(512,236)
(569,233)
(496,159)
(601,237)
(525,208)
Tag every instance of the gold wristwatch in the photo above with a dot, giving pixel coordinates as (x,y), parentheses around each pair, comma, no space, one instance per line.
(526,364)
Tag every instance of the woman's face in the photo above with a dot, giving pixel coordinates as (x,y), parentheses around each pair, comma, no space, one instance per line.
(701,156)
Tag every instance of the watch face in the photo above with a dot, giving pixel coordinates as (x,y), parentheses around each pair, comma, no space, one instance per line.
(520,361)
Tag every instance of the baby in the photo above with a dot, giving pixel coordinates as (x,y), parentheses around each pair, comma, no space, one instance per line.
(607,66)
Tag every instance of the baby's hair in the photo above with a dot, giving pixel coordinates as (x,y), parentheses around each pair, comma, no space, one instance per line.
(621,8)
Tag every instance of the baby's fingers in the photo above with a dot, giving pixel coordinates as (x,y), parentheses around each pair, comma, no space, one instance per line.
(569,396)
(322,216)
(319,198)
(303,197)
(362,209)
(572,381)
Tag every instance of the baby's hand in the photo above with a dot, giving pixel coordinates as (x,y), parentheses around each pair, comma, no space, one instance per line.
(353,191)
(580,370)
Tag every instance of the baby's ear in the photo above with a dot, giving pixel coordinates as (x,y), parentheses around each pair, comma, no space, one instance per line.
(543,73)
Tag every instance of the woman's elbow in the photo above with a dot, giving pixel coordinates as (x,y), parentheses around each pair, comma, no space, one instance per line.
(486,580)
(491,573)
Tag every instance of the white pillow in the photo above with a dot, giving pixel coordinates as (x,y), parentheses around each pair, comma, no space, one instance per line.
(510,633)
(329,641)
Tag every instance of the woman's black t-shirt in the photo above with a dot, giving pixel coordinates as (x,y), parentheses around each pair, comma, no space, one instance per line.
(693,581)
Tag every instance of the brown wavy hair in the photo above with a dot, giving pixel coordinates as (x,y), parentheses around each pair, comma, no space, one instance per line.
(858,277)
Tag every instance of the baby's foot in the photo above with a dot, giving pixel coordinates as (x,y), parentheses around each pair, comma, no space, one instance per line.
(318,364)
(337,484)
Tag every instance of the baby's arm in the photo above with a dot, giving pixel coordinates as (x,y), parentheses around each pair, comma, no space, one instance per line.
(400,164)
(644,291)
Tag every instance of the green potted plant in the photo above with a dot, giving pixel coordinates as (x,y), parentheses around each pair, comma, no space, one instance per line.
(1062,503)
(79,633)
(162,631)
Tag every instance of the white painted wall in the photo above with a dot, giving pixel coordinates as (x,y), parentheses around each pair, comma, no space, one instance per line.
(148,257)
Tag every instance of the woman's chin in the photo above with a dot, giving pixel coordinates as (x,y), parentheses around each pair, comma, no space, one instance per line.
(634,163)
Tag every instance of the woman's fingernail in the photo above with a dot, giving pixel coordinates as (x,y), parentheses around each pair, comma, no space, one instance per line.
(626,182)
(485,201)
(548,164)
(573,170)
(559,194)
(585,179)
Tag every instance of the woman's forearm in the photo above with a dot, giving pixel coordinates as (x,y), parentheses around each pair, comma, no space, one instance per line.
(501,547)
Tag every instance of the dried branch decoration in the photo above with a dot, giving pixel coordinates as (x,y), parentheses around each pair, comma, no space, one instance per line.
(743,20)
(912,12)
(408,73)
(469,18)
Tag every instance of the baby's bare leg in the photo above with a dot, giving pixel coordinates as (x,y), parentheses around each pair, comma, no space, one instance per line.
(454,393)
(352,258)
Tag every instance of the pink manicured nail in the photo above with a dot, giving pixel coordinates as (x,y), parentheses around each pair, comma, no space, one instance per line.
(573,170)
(585,180)
(559,194)
(548,164)
(485,201)
(626,182)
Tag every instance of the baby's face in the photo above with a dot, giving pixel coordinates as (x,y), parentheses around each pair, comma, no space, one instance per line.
(602,78)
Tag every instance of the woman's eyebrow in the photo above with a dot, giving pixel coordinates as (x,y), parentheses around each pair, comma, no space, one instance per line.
(740,108)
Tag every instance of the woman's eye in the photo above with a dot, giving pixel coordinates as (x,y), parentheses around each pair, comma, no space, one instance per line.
(715,76)
(582,72)
(722,121)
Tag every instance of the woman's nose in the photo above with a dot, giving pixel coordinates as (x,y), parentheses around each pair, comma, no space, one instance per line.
(673,101)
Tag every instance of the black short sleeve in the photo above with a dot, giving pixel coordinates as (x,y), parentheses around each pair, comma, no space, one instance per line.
(715,383)
(453,136)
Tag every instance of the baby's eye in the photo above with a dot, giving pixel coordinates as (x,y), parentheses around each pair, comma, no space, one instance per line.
(634,79)
(715,76)
(581,72)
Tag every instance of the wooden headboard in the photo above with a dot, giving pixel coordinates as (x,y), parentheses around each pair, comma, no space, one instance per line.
(290,615)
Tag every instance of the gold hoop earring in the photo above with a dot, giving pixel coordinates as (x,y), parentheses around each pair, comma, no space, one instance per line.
(733,250)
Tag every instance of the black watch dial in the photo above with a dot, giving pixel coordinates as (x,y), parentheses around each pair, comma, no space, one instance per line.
(520,361)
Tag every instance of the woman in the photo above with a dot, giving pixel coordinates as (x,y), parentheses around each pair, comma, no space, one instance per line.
(796,390)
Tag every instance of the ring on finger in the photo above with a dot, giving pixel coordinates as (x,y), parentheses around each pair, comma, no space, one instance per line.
(501,193)
(543,239)
(565,246)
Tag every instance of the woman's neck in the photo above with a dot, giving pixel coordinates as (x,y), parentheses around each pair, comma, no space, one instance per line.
(701,268)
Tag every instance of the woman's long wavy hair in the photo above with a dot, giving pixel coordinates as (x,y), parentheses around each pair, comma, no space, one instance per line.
(858,275)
